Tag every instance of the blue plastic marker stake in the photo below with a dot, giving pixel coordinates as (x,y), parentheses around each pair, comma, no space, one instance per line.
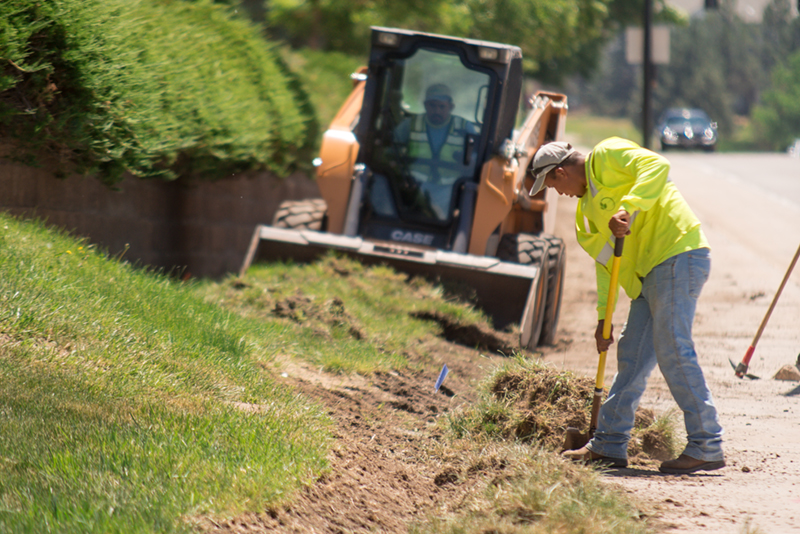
(443,374)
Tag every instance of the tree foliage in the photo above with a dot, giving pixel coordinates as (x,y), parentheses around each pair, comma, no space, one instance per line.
(776,120)
(780,32)
(558,37)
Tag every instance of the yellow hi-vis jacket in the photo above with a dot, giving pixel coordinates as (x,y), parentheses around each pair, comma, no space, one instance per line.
(622,175)
(445,166)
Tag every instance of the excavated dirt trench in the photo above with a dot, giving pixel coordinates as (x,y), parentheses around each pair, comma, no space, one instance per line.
(392,462)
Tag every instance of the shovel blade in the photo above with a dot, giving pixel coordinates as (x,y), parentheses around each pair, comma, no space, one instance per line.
(741,370)
(574,439)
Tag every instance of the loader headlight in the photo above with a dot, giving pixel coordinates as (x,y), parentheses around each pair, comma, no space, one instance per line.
(489,54)
(493,54)
(388,39)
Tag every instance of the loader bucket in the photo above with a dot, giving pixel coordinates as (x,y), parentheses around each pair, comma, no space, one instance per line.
(506,292)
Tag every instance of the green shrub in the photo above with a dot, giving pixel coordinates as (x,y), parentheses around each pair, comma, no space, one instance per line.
(154,88)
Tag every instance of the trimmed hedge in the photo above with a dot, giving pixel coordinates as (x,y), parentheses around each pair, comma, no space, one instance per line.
(154,87)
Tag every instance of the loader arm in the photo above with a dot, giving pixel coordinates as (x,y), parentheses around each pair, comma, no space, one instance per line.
(338,154)
(502,198)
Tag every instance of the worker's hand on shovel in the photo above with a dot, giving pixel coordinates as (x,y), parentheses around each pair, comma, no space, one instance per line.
(603,344)
(620,223)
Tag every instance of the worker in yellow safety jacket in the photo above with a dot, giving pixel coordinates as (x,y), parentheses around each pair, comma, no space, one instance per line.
(625,190)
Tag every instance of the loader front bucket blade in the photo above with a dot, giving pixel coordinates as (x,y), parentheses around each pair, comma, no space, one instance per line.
(502,289)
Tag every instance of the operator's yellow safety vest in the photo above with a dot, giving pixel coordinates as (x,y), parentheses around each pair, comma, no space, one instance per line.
(622,175)
(446,166)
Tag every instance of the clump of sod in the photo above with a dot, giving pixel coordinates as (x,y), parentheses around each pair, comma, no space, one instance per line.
(526,400)
(516,489)
(653,437)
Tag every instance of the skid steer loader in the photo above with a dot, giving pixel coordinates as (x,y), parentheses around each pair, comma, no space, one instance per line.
(425,168)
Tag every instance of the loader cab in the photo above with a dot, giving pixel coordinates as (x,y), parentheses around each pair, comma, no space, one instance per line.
(434,109)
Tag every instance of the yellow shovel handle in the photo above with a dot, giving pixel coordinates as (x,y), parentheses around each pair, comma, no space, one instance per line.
(612,297)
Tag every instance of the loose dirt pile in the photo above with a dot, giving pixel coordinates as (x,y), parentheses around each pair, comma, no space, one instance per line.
(544,402)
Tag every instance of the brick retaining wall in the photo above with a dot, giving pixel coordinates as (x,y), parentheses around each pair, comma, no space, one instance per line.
(201,228)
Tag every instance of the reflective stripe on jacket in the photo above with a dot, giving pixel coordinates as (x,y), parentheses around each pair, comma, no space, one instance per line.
(623,175)
(446,165)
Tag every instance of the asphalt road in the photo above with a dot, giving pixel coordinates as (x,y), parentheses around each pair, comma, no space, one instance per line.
(765,188)
(776,174)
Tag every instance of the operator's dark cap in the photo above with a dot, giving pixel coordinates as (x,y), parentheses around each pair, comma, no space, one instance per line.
(438,91)
(547,158)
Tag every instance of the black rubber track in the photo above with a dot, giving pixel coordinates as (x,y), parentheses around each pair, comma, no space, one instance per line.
(557,262)
(527,249)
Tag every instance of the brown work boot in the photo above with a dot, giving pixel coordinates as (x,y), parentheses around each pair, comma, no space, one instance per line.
(683,465)
(584,455)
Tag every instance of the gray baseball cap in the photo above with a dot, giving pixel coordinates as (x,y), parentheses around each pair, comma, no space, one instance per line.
(438,91)
(548,157)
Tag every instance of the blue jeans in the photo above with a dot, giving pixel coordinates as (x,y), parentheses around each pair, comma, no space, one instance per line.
(659,330)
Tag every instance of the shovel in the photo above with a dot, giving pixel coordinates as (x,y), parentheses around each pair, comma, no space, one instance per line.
(741,369)
(574,439)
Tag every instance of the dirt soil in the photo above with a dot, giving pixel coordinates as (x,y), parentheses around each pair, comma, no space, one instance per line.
(387,470)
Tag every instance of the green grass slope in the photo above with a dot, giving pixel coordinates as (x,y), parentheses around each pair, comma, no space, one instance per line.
(129,403)
(133,402)
(150,87)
